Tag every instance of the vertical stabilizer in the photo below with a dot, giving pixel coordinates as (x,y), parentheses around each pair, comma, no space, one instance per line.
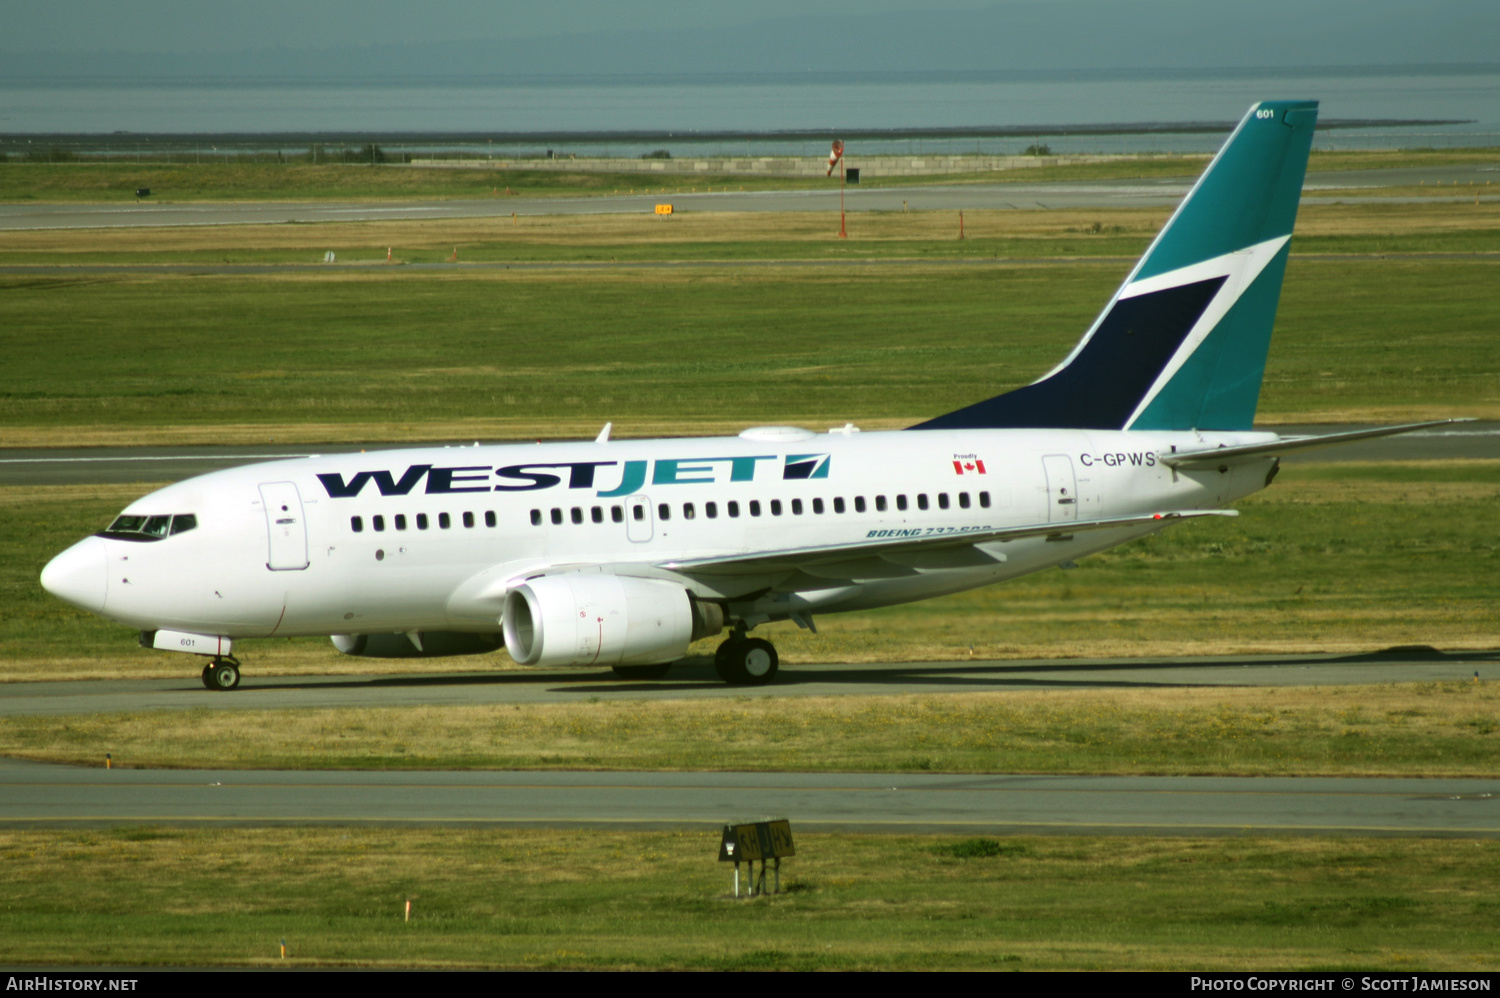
(1182,344)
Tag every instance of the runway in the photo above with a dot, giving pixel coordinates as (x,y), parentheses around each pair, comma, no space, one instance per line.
(1450,183)
(35,794)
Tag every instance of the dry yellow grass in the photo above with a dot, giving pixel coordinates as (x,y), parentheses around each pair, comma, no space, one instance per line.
(1410,729)
(717,227)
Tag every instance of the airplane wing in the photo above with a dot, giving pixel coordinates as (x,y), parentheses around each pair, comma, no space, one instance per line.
(863,558)
(1208,458)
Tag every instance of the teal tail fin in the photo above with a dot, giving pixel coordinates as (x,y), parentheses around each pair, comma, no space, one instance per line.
(1182,345)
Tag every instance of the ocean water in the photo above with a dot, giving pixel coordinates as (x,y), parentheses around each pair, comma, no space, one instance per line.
(685,108)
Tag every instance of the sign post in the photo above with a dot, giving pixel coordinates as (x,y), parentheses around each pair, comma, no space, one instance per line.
(836,158)
(758,840)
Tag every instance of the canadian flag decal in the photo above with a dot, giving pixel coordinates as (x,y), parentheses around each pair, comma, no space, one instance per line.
(967,464)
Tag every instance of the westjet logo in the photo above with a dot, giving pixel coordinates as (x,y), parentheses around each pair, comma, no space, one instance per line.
(608,479)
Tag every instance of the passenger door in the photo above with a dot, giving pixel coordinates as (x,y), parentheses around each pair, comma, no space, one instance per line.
(286,531)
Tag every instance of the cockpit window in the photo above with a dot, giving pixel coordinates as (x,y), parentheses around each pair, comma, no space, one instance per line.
(149,528)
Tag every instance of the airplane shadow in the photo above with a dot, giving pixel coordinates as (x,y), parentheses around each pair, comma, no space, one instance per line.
(697,673)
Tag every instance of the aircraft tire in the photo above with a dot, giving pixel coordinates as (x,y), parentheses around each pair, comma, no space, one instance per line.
(221,676)
(746,662)
(643,671)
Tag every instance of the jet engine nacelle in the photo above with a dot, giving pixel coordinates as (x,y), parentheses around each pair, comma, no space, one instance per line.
(419,644)
(588,619)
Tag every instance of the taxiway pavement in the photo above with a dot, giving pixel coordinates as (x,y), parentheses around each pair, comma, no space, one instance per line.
(40,795)
(469,685)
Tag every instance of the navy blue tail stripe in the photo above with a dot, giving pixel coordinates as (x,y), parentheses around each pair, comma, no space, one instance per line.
(1102,386)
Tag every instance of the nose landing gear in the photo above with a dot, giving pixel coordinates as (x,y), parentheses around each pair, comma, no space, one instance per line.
(223,674)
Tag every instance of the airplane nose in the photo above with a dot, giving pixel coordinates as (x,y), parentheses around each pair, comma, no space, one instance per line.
(78,575)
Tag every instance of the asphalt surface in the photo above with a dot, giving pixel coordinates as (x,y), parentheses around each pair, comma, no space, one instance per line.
(971,197)
(466,686)
(103,465)
(34,794)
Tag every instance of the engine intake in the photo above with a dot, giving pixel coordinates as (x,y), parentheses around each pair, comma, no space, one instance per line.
(586,619)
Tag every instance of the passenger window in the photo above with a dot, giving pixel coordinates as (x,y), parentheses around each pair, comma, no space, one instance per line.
(796,507)
(639,512)
(711,510)
(597,514)
(818,506)
(183,522)
(880,504)
(357,524)
(859,504)
(963,500)
(734,509)
(838,504)
(378,522)
(984,499)
(617,514)
(556,515)
(775,507)
(577,514)
(687,511)
(422,520)
(942,500)
(489,518)
(536,518)
(444,521)
(901,502)
(663,511)
(921,500)
(468,519)
(400,521)
(754,507)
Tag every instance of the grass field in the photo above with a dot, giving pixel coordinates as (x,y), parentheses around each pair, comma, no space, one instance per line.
(399,354)
(1390,729)
(1351,558)
(611,900)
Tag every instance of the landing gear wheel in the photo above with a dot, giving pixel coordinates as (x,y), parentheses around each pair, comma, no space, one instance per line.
(221,675)
(643,671)
(746,662)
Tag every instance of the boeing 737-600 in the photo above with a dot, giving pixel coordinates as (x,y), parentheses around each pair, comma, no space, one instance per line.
(616,553)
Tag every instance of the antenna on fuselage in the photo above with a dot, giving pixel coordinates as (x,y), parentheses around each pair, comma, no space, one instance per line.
(603,437)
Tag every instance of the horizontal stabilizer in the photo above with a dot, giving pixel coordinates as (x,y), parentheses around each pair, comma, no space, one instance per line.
(1206,458)
(810,557)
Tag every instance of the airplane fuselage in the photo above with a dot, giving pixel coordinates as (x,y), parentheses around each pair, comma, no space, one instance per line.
(433,538)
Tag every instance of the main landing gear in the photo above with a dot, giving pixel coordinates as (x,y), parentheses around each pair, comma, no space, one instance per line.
(222,674)
(742,661)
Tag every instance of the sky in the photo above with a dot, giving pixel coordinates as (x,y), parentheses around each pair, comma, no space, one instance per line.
(218,26)
(393,39)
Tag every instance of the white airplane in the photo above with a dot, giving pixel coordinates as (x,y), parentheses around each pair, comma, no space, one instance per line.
(621,553)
